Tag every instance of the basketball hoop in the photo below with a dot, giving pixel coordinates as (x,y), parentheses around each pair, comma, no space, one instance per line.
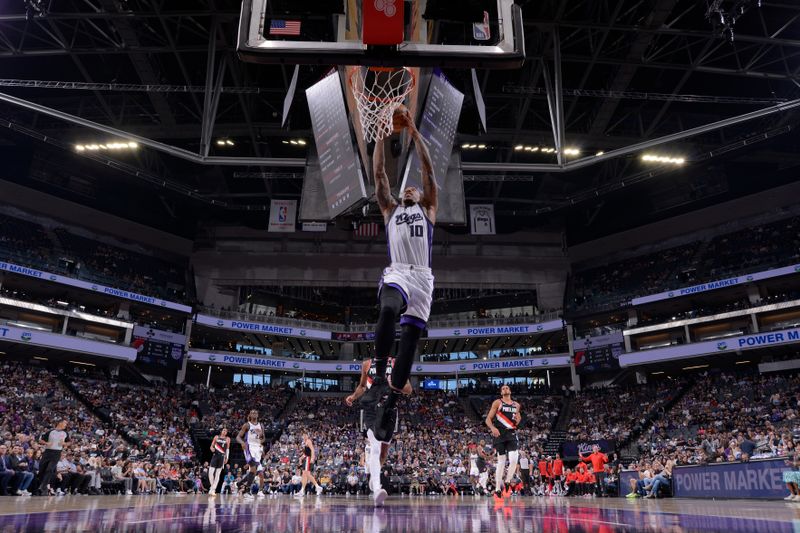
(378,91)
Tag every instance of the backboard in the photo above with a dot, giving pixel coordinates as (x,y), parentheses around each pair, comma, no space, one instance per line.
(486,34)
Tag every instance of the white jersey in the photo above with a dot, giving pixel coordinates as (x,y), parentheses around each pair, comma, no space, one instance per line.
(253,435)
(410,236)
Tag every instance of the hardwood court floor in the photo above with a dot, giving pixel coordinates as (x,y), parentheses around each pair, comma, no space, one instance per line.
(226,514)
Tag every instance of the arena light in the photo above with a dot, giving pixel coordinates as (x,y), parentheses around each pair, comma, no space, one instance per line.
(112,146)
(519,147)
(695,367)
(742,362)
(225,142)
(572,151)
(598,154)
(656,373)
(40,358)
(653,158)
(82,363)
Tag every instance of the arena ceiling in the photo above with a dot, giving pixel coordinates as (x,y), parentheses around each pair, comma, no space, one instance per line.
(630,71)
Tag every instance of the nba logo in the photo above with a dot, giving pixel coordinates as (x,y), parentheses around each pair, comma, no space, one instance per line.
(282,214)
(481,31)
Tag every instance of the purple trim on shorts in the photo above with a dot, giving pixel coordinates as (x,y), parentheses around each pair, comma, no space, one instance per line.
(430,242)
(408,319)
(400,289)
(247,455)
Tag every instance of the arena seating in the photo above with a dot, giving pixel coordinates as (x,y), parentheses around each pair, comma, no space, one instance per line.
(30,244)
(720,410)
(741,252)
(614,413)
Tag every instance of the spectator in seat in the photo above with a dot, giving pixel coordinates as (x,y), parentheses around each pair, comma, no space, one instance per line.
(662,479)
(20,465)
(747,446)
(7,474)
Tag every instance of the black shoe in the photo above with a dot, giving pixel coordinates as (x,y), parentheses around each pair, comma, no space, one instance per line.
(376,391)
(385,422)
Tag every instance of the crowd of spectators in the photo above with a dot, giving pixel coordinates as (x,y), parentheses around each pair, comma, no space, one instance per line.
(728,417)
(64,252)
(614,413)
(741,252)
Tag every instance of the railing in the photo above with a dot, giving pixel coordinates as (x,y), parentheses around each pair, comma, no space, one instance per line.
(279,320)
(361,328)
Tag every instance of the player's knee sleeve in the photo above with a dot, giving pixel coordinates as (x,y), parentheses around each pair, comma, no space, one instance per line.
(409,337)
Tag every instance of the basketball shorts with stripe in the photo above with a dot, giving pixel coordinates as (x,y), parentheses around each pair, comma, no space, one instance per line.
(415,283)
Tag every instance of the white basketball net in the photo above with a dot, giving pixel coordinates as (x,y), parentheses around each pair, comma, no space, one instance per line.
(378,92)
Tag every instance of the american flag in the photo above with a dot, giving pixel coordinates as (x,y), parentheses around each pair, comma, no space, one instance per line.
(284,27)
(367,229)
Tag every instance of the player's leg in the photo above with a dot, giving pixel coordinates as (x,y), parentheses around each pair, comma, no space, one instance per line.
(393,300)
(499,469)
(513,459)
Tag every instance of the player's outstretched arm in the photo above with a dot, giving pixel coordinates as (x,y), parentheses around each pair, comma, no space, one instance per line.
(383,192)
(430,197)
(490,418)
(362,385)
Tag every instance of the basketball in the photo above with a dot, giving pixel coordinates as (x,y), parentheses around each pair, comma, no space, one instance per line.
(398,118)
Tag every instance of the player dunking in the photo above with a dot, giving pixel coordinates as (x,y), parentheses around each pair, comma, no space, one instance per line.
(251,438)
(375,451)
(309,457)
(502,420)
(407,283)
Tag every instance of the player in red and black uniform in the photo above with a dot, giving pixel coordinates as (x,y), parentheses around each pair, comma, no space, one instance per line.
(375,451)
(502,421)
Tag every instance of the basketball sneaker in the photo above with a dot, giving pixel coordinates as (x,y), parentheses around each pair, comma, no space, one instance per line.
(380,497)
(498,498)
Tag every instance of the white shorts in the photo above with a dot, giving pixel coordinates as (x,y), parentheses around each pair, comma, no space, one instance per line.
(473,471)
(415,283)
(252,453)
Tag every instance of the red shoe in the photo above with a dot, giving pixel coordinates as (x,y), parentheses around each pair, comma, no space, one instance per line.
(506,492)
(498,498)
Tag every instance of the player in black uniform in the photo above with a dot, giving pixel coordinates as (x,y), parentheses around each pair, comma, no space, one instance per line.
(502,421)
(308,458)
(375,451)
(220,447)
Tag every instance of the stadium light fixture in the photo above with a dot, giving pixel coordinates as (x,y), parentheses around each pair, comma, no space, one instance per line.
(571,151)
(653,158)
(742,362)
(40,358)
(519,147)
(82,363)
(695,367)
(598,154)
(113,146)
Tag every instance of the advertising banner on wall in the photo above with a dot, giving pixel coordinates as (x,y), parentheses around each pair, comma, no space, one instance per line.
(717,284)
(80,284)
(729,345)
(757,479)
(354,367)
(263,327)
(495,331)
